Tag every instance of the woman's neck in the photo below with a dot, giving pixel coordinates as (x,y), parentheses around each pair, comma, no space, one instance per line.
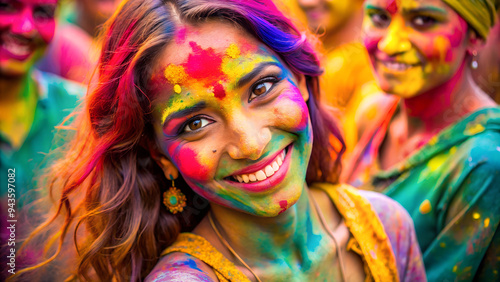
(294,238)
(432,111)
(12,89)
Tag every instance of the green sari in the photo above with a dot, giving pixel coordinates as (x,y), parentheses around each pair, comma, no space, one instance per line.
(450,187)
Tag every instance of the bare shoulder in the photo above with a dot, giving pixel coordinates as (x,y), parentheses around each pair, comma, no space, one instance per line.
(371,107)
(177,267)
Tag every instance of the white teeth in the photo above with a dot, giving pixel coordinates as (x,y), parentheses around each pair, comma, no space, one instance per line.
(275,165)
(260,175)
(396,66)
(16,49)
(245,178)
(269,171)
(252,177)
(263,174)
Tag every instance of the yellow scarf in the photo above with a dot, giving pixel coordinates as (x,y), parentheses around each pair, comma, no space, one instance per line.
(479,14)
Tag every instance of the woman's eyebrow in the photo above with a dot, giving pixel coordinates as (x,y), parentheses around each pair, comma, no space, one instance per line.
(186,111)
(427,9)
(249,76)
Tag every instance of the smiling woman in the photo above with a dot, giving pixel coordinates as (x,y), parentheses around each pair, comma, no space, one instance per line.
(434,143)
(220,99)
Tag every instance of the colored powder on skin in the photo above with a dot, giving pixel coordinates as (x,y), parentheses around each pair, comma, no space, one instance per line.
(219,92)
(392,7)
(187,162)
(181,36)
(312,239)
(283,205)
(233,51)
(175,75)
(204,64)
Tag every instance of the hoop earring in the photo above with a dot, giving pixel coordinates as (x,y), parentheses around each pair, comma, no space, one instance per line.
(474,63)
(173,199)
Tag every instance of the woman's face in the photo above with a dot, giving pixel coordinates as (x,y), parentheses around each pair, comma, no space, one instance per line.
(414,46)
(231,118)
(26,27)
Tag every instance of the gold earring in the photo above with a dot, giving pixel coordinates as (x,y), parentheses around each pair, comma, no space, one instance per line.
(173,199)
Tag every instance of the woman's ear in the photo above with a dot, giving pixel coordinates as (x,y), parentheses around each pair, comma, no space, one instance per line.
(301,83)
(475,43)
(168,168)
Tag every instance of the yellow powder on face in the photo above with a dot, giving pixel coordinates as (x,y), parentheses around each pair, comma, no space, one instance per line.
(425,207)
(175,74)
(233,51)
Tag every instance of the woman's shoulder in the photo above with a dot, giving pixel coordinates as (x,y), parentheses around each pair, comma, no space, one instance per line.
(179,266)
(391,214)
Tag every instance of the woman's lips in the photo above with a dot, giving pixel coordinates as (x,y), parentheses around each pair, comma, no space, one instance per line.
(265,178)
(16,49)
(264,173)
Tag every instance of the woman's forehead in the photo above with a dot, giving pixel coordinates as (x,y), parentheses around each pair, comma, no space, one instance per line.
(217,36)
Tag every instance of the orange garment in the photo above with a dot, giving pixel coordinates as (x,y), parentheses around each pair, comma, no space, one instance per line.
(347,80)
(369,239)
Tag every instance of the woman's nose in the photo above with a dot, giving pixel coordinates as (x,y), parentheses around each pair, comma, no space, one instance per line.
(248,139)
(396,40)
(25,25)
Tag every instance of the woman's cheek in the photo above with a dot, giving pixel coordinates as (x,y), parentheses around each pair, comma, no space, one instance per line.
(371,43)
(191,163)
(46,30)
(291,112)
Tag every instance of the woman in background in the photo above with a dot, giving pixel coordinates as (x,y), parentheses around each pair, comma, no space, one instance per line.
(433,144)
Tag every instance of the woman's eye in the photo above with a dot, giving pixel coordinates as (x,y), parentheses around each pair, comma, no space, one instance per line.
(423,21)
(261,89)
(380,20)
(6,7)
(44,12)
(196,124)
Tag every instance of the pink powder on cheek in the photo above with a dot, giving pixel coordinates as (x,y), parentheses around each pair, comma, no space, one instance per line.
(46,30)
(292,112)
(371,43)
(187,162)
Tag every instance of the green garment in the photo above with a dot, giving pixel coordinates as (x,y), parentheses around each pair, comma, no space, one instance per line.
(451,188)
(57,98)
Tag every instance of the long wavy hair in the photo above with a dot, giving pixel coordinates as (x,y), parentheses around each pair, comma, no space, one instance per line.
(107,180)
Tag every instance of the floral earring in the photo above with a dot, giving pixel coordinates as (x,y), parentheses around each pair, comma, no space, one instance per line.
(173,199)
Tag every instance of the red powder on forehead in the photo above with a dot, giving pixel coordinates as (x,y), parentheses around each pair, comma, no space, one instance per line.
(392,7)
(204,64)
(219,91)
(283,206)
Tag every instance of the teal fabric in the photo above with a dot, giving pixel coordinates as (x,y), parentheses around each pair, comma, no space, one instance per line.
(57,98)
(451,188)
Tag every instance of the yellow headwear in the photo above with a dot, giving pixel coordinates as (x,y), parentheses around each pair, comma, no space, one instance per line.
(479,14)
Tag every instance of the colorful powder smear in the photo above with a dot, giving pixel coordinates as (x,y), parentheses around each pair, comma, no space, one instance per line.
(175,75)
